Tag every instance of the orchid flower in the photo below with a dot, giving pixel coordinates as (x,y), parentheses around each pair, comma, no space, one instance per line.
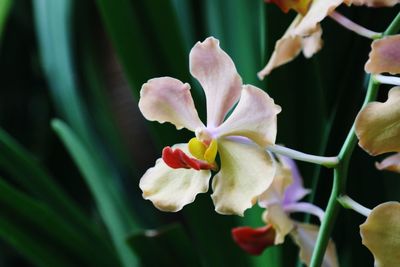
(184,170)
(304,33)
(280,200)
(378,124)
(380,233)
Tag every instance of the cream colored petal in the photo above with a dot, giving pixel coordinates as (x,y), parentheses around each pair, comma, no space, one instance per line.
(167,99)
(319,9)
(391,163)
(217,74)
(279,220)
(384,55)
(378,125)
(313,43)
(171,189)
(305,236)
(246,172)
(372,3)
(381,234)
(286,49)
(254,117)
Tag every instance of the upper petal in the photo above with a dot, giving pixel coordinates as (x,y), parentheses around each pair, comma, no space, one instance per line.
(168,99)
(381,234)
(171,189)
(378,125)
(384,55)
(319,9)
(217,74)
(246,172)
(286,49)
(254,117)
(372,3)
(305,236)
(391,163)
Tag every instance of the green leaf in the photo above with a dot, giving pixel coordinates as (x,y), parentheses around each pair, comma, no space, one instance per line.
(167,246)
(113,209)
(36,231)
(5,7)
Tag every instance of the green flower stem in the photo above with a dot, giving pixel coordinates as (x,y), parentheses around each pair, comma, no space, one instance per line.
(329,162)
(341,170)
(349,203)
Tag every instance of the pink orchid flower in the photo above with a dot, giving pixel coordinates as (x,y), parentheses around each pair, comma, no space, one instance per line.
(239,139)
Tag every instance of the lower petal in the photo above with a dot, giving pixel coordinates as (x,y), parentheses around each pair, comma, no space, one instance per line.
(305,236)
(171,189)
(254,240)
(246,172)
(380,234)
(280,221)
(391,163)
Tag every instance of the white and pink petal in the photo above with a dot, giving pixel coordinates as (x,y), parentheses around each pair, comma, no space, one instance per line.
(254,117)
(167,99)
(217,74)
(391,163)
(171,189)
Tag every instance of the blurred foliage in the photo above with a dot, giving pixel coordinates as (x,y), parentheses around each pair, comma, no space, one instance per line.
(69,191)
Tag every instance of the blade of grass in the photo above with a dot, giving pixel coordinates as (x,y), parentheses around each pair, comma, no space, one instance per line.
(168,246)
(5,7)
(112,208)
(36,222)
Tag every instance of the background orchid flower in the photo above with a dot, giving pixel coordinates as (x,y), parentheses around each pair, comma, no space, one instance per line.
(303,35)
(384,56)
(281,199)
(378,125)
(184,170)
(380,233)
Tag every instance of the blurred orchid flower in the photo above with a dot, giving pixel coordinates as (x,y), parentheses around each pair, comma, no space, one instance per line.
(240,139)
(377,125)
(280,200)
(304,34)
(380,233)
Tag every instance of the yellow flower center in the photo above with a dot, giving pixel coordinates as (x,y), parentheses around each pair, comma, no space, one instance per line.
(203,151)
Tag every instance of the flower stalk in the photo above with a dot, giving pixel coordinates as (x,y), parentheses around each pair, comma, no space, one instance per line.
(352,26)
(341,170)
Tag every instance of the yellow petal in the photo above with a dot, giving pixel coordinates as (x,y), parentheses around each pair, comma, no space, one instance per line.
(384,56)
(305,236)
(246,172)
(381,234)
(171,189)
(197,148)
(211,152)
(391,163)
(378,125)
(301,6)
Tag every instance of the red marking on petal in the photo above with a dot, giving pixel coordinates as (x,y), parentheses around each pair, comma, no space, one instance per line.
(176,159)
(254,240)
